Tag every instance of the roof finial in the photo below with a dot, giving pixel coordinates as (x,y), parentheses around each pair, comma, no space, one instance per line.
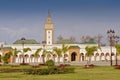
(49,12)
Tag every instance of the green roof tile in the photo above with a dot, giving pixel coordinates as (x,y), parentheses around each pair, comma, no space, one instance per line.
(27,41)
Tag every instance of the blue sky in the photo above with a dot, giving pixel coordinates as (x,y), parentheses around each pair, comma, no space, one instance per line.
(26,18)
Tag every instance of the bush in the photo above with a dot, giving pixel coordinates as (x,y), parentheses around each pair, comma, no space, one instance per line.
(50,63)
(49,71)
(10,70)
(24,63)
(36,71)
(35,66)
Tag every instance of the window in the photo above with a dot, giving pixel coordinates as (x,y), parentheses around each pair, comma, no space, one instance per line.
(49,37)
(49,42)
(48,31)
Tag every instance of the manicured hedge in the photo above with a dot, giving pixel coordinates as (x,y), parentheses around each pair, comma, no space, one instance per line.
(46,71)
(10,70)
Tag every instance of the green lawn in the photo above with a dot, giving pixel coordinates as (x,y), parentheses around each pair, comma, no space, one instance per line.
(96,73)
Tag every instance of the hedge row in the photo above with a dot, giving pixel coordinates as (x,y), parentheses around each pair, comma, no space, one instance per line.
(10,70)
(49,71)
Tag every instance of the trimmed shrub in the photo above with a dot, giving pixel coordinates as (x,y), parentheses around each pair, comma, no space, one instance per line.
(49,71)
(10,70)
(35,66)
(24,63)
(36,71)
(50,63)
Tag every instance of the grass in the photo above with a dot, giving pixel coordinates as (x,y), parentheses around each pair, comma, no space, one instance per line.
(96,73)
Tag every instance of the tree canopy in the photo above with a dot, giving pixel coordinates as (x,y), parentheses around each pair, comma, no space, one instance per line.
(117,46)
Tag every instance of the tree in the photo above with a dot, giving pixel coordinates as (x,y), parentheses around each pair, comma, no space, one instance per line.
(89,52)
(50,63)
(24,51)
(72,39)
(98,39)
(83,39)
(14,53)
(36,54)
(58,52)
(6,57)
(117,46)
(62,40)
(48,54)
(54,56)
(64,50)
(43,55)
(86,39)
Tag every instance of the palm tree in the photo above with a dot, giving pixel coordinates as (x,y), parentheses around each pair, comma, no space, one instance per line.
(14,53)
(36,54)
(43,55)
(48,54)
(59,53)
(89,52)
(54,56)
(45,52)
(117,46)
(64,50)
(24,51)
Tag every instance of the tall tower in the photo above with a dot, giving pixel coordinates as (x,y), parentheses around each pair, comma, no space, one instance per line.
(49,30)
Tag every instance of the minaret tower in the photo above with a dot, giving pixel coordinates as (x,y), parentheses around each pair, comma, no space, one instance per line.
(49,31)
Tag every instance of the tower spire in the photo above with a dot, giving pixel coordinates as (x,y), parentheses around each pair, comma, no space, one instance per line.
(49,13)
(49,21)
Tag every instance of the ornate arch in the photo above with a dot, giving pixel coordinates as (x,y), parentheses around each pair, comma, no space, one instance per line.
(102,57)
(74,53)
(107,56)
(97,56)
(82,57)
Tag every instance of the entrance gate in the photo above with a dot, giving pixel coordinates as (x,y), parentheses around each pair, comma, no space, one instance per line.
(73,56)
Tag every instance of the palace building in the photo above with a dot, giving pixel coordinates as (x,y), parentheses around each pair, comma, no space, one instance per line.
(75,54)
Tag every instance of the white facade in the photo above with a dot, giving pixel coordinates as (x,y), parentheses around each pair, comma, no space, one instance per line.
(100,55)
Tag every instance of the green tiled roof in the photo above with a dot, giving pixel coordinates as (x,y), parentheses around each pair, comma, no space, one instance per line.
(73,47)
(27,41)
(90,42)
(7,48)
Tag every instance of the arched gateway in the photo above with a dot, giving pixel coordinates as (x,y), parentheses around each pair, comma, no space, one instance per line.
(74,53)
(73,56)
